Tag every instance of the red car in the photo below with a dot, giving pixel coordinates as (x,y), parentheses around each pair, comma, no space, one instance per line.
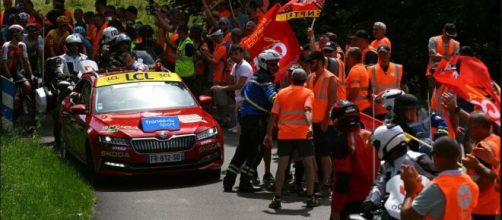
(128,123)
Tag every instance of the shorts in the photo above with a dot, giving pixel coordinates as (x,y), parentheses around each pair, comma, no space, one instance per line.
(220,97)
(305,147)
(322,141)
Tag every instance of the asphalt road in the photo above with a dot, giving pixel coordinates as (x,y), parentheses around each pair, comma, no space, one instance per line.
(192,196)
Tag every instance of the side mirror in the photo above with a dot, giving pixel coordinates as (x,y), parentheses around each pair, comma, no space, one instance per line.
(204,99)
(78,109)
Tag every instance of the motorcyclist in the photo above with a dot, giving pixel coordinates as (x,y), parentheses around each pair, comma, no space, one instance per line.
(405,112)
(259,94)
(390,141)
(35,46)
(107,53)
(72,58)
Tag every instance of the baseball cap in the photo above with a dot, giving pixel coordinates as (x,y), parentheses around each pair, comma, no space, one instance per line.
(299,74)
(329,46)
(383,48)
(450,30)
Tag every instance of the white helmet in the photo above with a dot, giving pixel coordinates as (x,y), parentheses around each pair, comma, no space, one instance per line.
(16,27)
(109,34)
(388,138)
(389,96)
(73,39)
(267,56)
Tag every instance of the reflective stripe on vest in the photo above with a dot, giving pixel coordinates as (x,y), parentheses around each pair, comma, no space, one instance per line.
(452,47)
(184,65)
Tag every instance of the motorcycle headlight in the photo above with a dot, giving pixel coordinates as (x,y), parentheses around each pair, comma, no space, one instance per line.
(107,140)
(209,133)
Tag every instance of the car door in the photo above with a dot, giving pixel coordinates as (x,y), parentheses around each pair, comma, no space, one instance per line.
(78,125)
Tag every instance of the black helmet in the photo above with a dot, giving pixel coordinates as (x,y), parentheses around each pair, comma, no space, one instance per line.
(405,101)
(345,113)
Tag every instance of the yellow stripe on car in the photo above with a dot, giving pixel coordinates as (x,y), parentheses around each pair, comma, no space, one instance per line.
(137,77)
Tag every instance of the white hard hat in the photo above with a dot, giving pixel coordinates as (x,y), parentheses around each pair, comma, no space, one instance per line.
(73,39)
(109,34)
(267,56)
(388,138)
(389,96)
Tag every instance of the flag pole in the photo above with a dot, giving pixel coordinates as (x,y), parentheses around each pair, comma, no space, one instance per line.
(313,22)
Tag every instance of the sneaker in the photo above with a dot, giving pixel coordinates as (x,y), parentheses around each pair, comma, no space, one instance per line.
(276,203)
(313,202)
(325,190)
(268,179)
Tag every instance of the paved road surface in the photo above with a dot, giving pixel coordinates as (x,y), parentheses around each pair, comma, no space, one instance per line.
(192,196)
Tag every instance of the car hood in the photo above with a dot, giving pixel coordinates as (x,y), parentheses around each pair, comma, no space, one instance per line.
(191,120)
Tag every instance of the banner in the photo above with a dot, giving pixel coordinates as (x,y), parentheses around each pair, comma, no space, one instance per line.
(271,34)
(472,82)
(369,122)
(295,9)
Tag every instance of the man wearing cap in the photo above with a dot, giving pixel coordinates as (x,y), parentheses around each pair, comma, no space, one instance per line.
(324,85)
(384,75)
(336,66)
(218,59)
(55,39)
(369,54)
(357,81)
(441,47)
(379,30)
(292,113)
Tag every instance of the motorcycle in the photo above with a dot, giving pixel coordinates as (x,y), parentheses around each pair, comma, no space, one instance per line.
(392,202)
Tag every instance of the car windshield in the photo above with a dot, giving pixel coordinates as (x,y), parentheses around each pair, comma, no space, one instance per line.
(142,96)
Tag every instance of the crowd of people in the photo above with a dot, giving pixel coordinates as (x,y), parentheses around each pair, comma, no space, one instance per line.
(316,118)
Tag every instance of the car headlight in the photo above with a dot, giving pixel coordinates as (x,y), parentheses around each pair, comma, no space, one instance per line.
(107,140)
(209,133)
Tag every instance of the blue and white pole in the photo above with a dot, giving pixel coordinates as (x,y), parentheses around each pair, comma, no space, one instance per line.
(7,108)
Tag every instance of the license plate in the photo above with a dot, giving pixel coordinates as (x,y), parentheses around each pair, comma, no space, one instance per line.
(163,158)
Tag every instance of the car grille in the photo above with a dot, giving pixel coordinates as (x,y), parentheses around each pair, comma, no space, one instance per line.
(153,145)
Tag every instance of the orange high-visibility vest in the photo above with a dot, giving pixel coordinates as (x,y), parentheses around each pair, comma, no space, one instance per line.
(384,41)
(362,101)
(453,46)
(290,104)
(219,59)
(96,39)
(461,195)
(489,198)
(436,100)
(320,89)
(381,81)
(366,51)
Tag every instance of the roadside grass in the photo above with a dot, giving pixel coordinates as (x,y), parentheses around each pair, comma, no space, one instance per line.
(37,184)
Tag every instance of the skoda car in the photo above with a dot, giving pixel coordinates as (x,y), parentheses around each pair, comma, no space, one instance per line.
(129,123)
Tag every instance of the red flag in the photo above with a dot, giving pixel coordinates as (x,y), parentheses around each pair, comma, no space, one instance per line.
(369,122)
(300,9)
(271,34)
(471,82)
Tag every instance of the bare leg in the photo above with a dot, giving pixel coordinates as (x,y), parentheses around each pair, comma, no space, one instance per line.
(326,169)
(280,174)
(309,164)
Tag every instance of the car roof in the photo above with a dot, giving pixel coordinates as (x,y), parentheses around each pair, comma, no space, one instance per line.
(115,78)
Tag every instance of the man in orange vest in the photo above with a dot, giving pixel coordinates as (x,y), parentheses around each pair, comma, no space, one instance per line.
(369,54)
(383,76)
(441,47)
(292,110)
(480,131)
(323,83)
(352,161)
(451,195)
(379,30)
(358,81)
(101,24)
(336,66)
(218,60)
